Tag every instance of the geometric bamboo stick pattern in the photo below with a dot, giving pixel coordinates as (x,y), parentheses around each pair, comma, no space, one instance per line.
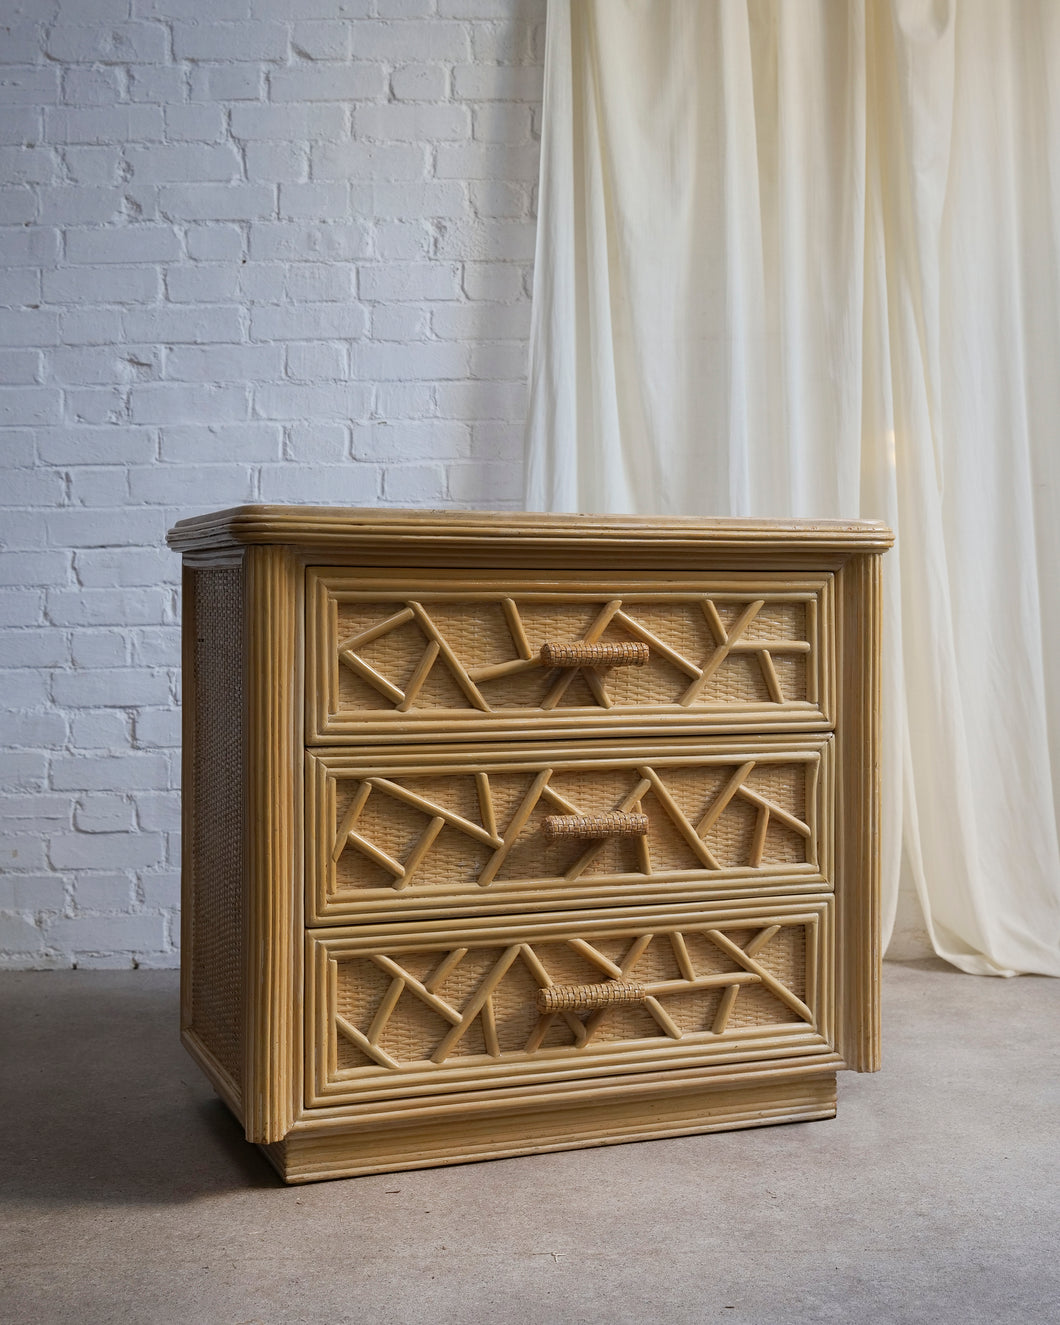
(584,1008)
(561,660)
(625,818)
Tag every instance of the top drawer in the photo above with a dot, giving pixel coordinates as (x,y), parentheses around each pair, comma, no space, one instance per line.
(418,653)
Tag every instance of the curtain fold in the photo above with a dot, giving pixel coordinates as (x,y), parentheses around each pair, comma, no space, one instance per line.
(804,260)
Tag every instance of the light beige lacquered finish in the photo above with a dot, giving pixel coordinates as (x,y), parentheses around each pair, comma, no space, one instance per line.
(510,833)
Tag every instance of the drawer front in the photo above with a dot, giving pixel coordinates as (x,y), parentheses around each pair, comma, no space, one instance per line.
(455,1006)
(421,654)
(493,829)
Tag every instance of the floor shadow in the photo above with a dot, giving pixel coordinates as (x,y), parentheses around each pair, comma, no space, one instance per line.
(100,1103)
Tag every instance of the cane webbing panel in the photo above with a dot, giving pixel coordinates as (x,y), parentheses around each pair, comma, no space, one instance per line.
(214,881)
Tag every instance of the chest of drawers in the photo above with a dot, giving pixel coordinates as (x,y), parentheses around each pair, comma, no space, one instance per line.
(511,833)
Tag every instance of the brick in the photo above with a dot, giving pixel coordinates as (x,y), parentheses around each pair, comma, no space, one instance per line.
(488,82)
(410,280)
(132,243)
(486,161)
(20,286)
(263,282)
(497,198)
(35,730)
(285,400)
(22,851)
(500,362)
(317,362)
(214,40)
(101,568)
(160,890)
(94,404)
(482,400)
(369,161)
(29,85)
(420,82)
(31,892)
(489,241)
(493,281)
(29,165)
(156,646)
(20,368)
(221,10)
(175,325)
(357,81)
(106,730)
(163,402)
(158,84)
(428,198)
(91,204)
(18,934)
(485,482)
(322,321)
(114,43)
(414,485)
(420,41)
(21,126)
(481,321)
(20,607)
(502,122)
(225,443)
(90,326)
(202,283)
(227,82)
(500,43)
(412,440)
(105,814)
(104,125)
(94,86)
(107,934)
(27,405)
(351,484)
(199,124)
(396,122)
(125,772)
(160,811)
(36,648)
(103,607)
(317,202)
(317,443)
(158,728)
(95,446)
(215,243)
(289,123)
(94,167)
(75,528)
(217,202)
(193,163)
(33,568)
(19,44)
(303,9)
(103,892)
(17,205)
(402,400)
(224,363)
(118,285)
(321,40)
(429,360)
(204,487)
(296,241)
(401,322)
(107,487)
(99,648)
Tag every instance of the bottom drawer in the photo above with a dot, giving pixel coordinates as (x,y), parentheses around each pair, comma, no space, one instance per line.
(410,1010)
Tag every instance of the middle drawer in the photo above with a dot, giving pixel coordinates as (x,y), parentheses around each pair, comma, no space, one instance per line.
(491,830)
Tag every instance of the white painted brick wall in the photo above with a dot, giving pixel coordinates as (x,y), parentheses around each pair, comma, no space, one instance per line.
(252,250)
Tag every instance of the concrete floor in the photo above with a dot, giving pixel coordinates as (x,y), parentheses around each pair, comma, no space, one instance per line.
(128,1195)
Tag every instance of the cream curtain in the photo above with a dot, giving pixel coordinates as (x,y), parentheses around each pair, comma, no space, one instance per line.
(803,259)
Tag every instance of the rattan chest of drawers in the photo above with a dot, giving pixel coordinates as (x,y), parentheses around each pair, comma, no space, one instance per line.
(510,833)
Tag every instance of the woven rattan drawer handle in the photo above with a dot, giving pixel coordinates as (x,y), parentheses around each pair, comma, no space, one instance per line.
(596,825)
(594,655)
(585,998)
